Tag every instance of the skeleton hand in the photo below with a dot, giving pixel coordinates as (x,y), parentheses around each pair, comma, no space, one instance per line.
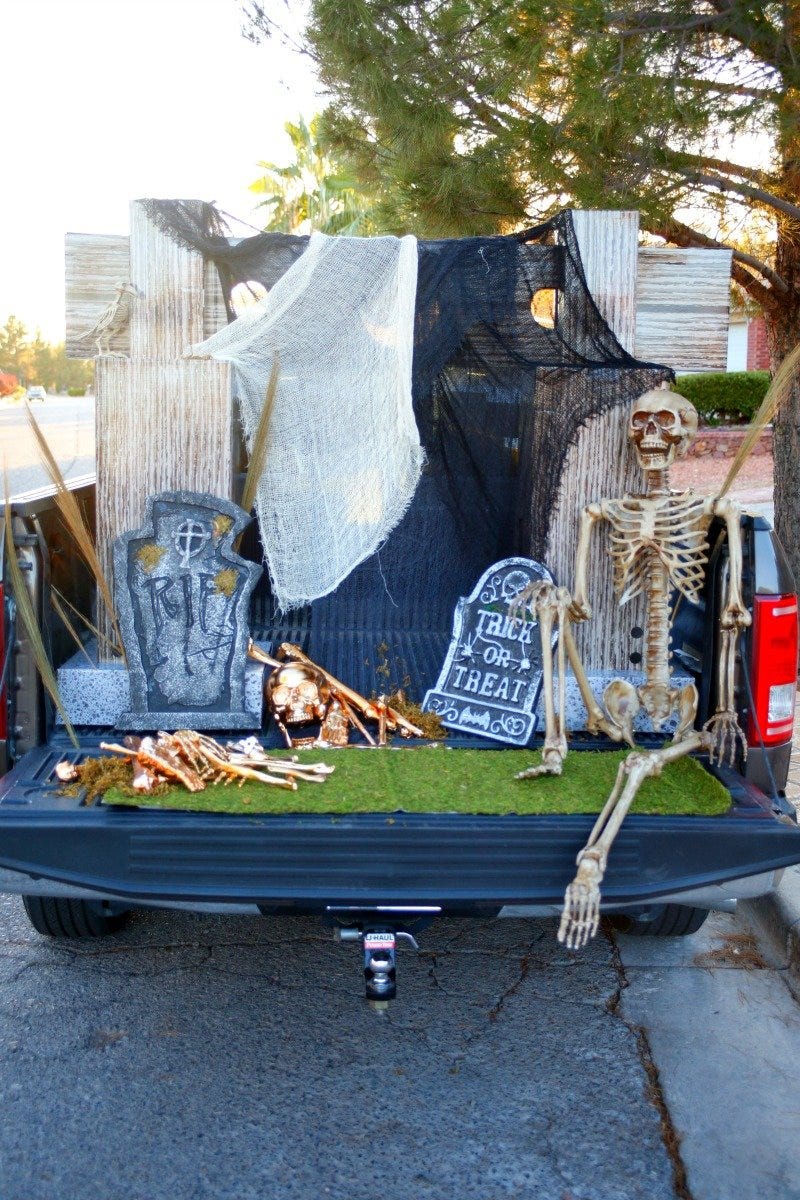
(723,734)
(581,915)
(525,600)
(579,609)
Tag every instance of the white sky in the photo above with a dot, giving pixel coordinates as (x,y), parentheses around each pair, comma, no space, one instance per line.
(104,101)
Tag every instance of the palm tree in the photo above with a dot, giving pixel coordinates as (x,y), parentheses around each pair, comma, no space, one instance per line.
(313,192)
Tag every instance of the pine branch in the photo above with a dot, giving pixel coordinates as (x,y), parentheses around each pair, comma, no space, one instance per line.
(761,38)
(720,164)
(760,195)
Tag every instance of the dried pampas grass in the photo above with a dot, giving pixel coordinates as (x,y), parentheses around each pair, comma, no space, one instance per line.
(29,620)
(61,613)
(73,519)
(776,396)
(260,442)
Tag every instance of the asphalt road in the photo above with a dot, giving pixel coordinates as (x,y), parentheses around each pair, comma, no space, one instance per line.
(68,425)
(233,1058)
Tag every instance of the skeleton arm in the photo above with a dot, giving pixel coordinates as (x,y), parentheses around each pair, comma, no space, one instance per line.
(734,614)
(580,609)
(723,730)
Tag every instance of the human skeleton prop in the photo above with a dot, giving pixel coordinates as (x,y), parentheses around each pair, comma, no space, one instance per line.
(194,760)
(299,692)
(658,541)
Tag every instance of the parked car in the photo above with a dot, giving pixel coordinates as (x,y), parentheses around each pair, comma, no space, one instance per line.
(36,392)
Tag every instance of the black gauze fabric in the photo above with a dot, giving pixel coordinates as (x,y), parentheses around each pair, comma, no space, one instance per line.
(498,397)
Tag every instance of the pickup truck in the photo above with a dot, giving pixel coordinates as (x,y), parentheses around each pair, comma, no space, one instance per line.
(79,870)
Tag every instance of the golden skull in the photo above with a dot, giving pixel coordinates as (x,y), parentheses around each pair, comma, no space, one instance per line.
(297,694)
(662,426)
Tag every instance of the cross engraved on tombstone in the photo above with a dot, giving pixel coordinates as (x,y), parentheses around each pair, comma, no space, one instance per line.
(491,678)
(183,599)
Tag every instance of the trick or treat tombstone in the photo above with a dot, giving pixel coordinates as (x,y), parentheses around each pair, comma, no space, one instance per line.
(183,598)
(491,678)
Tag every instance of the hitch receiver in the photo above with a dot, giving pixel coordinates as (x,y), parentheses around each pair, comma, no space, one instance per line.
(379,946)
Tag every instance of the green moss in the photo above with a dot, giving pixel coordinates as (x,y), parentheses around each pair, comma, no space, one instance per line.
(225,581)
(222,524)
(436,779)
(150,555)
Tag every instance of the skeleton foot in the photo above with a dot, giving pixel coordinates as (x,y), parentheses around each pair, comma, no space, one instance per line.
(552,762)
(581,915)
(723,737)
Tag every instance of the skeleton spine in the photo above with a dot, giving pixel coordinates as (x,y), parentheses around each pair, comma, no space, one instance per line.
(657,648)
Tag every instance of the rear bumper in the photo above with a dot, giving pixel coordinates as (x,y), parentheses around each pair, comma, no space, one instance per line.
(460,863)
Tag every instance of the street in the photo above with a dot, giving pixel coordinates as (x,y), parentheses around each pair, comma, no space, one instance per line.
(68,424)
(216,1057)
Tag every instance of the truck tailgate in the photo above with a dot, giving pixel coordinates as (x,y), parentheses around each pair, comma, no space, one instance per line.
(311,861)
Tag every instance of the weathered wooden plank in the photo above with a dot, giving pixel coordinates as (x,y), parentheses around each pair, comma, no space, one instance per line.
(95,263)
(167,316)
(599,463)
(162,422)
(215,314)
(683,307)
(161,425)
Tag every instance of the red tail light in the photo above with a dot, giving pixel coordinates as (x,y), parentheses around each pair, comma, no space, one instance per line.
(4,687)
(774,667)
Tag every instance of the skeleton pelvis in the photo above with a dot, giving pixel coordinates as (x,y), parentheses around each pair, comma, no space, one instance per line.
(659,701)
(622,705)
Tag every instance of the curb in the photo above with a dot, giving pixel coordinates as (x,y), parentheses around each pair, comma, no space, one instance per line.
(777,916)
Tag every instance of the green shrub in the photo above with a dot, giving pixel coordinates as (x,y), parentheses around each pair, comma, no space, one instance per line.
(729,398)
(76,391)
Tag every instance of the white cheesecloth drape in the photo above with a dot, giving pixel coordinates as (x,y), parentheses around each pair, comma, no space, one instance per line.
(344,454)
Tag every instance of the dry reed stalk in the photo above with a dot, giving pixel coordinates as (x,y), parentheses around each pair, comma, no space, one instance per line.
(73,517)
(101,637)
(777,394)
(60,612)
(28,618)
(84,621)
(260,442)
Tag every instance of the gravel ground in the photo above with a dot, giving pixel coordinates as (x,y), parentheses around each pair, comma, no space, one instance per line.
(706,475)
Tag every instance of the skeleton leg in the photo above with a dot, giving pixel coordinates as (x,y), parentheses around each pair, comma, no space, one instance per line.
(581,914)
(725,732)
(597,720)
(550,604)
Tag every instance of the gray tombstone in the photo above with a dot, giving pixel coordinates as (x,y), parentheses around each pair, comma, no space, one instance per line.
(183,599)
(491,678)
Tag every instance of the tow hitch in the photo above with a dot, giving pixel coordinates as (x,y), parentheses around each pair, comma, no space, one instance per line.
(379,946)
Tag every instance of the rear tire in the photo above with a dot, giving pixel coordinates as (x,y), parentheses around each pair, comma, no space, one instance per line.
(57,917)
(661,920)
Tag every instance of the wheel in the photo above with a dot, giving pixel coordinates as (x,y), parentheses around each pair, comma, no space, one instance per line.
(660,920)
(60,918)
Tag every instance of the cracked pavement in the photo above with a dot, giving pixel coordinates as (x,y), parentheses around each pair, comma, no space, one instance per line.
(196,1057)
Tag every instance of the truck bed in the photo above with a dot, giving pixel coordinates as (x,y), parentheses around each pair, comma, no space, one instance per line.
(53,844)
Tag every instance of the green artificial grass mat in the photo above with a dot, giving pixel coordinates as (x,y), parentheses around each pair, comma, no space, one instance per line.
(436,779)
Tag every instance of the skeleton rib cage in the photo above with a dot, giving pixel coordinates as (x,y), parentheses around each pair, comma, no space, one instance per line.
(668,529)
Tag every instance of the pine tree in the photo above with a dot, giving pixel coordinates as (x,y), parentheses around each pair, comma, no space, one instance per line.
(481,115)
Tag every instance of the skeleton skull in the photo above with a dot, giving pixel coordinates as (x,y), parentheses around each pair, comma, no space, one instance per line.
(661,427)
(298,694)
